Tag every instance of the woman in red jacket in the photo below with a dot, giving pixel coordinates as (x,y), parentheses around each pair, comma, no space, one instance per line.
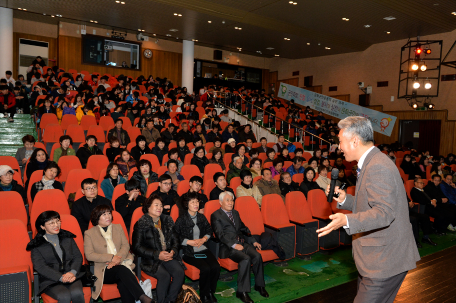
(7,103)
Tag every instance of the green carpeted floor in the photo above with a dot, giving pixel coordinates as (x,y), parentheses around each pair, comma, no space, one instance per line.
(11,133)
(301,278)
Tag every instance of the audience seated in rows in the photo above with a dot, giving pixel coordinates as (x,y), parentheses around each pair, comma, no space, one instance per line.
(217,158)
(308,182)
(286,184)
(173,173)
(90,148)
(144,175)
(168,196)
(220,186)
(64,149)
(23,153)
(247,188)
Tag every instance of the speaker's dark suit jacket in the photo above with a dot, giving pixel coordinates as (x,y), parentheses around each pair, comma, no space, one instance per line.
(228,233)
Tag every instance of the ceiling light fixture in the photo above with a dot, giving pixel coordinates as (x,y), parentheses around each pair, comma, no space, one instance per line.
(117,1)
(269,48)
(277,55)
(287,39)
(327,47)
(122,2)
(24,9)
(423,67)
(19,8)
(428,85)
(414,66)
(52,16)
(453,13)
(389,18)
(194,40)
(367,25)
(308,43)
(173,30)
(290,2)
(168,35)
(388,33)
(209,21)
(345,19)
(259,52)
(414,105)
(95,21)
(295,3)
(154,35)
(416,84)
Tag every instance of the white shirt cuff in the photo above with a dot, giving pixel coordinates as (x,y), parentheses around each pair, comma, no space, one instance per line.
(346,218)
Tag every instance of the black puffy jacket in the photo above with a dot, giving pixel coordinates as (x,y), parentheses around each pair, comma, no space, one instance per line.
(184,229)
(146,242)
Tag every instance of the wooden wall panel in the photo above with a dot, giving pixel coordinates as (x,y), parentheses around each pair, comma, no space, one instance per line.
(53,48)
(447,131)
(273,77)
(265,80)
(345,98)
(162,64)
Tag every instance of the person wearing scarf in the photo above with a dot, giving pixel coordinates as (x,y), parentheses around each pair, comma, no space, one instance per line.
(111,180)
(38,161)
(156,242)
(48,181)
(107,246)
(247,188)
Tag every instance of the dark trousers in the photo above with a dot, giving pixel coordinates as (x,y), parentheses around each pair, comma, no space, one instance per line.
(127,284)
(11,110)
(378,290)
(209,272)
(441,219)
(167,291)
(420,220)
(67,292)
(246,257)
(449,210)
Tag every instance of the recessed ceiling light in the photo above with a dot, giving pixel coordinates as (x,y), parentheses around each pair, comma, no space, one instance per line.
(287,39)
(173,30)
(269,48)
(291,2)
(95,21)
(122,2)
(142,30)
(168,35)
(388,33)
(176,14)
(180,15)
(194,40)
(389,18)
(19,8)
(91,20)
(117,1)
(236,27)
(24,9)
(209,21)
(259,52)
(453,13)
(276,55)
(295,3)
(308,43)
(367,25)
(154,35)
(345,19)
(327,47)
(139,29)
(52,16)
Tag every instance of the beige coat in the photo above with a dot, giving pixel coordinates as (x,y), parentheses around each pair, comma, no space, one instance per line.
(95,249)
(241,191)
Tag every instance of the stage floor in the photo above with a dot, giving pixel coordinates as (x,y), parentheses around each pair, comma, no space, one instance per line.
(432,281)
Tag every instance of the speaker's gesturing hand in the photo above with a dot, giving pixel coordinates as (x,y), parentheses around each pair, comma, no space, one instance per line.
(338,220)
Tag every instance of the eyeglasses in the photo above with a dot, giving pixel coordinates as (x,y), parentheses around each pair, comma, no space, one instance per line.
(91,188)
(54,223)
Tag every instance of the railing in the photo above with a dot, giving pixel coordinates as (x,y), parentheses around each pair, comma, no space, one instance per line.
(246,107)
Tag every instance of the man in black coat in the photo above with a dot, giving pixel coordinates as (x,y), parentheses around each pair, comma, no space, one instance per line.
(220,187)
(238,244)
(247,133)
(186,134)
(441,218)
(287,185)
(119,133)
(128,202)
(196,183)
(82,208)
(87,150)
(168,195)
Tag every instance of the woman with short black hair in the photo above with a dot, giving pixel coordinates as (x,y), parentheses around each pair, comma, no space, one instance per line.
(107,246)
(50,172)
(38,160)
(57,259)
(194,231)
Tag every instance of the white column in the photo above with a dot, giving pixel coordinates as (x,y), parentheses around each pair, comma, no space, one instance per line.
(6,41)
(188,58)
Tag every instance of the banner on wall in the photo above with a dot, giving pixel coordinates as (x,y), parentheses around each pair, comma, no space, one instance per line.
(381,122)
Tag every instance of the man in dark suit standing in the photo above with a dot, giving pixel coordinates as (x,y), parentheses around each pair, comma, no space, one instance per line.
(384,248)
(238,244)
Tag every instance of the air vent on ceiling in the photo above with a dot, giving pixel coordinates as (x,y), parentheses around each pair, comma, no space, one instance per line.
(382,83)
(332,88)
(448,77)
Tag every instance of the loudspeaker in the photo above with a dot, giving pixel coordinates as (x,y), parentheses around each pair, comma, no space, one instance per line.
(218,55)
(364,100)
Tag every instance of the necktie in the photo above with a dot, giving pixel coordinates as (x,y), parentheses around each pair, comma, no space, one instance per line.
(230,215)
(358,171)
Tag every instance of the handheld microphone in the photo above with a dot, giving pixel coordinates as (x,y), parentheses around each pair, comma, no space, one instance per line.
(334,177)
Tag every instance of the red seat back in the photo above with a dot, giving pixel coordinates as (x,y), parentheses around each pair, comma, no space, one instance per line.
(14,208)
(50,199)
(297,207)
(319,207)
(96,164)
(189,171)
(274,211)
(250,214)
(88,121)
(76,132)
(67,163)
(235,182)
(210,207)
(183,187)
(153,160)
(75,177)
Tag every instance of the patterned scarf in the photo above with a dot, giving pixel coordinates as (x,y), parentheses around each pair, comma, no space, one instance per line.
(111,247)
(47,184)
(157,225)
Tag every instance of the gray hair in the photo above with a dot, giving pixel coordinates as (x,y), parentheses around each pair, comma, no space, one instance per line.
(223,194)
(235,159)
(357,126)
